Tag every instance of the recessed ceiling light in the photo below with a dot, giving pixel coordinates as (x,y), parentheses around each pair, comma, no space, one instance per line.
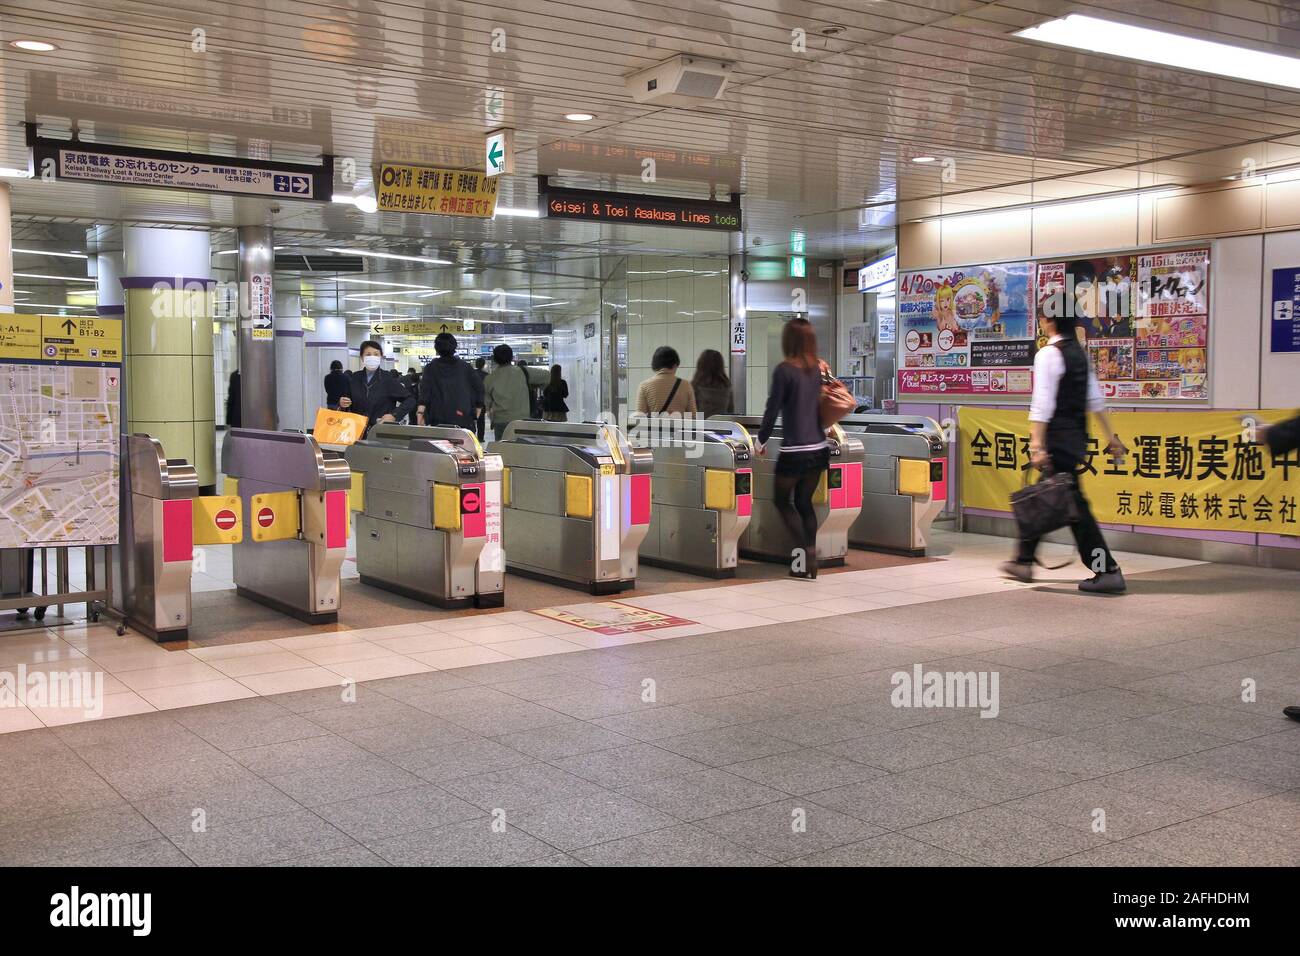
(526,213)
(47,252)
(10,172)
(922,159)
(33,46)
(366,253)
(1110,38)
(579,117)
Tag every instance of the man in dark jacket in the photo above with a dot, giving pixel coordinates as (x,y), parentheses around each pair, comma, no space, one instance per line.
(373,392)
(480,420)
(336,384)
(1282,438)
(451,392)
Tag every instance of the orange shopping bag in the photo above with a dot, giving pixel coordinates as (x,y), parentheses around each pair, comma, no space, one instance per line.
(338,428)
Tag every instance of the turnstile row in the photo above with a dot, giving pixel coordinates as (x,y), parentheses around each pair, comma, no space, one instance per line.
(579,503)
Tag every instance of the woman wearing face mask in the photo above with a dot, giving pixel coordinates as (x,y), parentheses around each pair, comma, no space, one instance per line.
(374,393)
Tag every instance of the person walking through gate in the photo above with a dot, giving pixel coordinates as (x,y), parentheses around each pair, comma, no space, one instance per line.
(795,395)
(451,393)
(1065,391)
(554,406)
(373,392)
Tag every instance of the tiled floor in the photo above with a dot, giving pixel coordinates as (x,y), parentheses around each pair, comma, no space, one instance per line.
(763,734)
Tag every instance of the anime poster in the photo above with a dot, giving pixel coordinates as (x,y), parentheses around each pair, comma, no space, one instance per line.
(1112,359)
(1145,317)
(966,331)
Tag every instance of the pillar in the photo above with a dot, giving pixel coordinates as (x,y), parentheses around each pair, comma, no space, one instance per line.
(257,328)
(289,361)
(166,286)
(6,252)
(323,344)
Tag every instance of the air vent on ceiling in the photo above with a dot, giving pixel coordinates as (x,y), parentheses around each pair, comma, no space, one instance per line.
(688,77)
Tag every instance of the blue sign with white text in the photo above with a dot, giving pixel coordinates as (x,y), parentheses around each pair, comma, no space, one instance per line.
(1285,335)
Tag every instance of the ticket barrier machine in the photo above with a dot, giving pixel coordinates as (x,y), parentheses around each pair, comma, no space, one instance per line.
(838,498)
(294,496)
(702,497)
(904,481)
(162,519)
(577,503)
(428,515)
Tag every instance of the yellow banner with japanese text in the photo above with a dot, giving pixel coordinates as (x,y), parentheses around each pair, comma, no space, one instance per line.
(1189,470)
(445,192)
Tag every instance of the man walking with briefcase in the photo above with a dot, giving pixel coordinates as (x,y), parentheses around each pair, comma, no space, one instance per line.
(1065,390)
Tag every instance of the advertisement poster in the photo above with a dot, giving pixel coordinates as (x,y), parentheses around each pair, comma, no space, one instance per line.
(1186,470)
(1145,316)
(966,331)
(1284,331)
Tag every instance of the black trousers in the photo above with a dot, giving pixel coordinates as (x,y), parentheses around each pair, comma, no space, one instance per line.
(1093,550)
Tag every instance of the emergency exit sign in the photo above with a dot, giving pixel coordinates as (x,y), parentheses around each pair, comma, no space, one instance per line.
(499,152)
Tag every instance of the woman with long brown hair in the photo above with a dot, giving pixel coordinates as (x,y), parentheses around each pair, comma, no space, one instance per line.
(795,396)
(554,406)
(712,385)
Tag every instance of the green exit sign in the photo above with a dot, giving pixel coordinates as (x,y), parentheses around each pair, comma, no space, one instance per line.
(798,267)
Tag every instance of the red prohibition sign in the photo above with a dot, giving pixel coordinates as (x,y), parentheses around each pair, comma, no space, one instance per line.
(225,519)
(265,517)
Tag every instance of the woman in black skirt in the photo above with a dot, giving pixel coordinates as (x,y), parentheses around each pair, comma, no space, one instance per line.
(795,396)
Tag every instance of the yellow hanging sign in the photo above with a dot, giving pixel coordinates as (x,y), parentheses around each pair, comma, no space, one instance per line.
(434,191)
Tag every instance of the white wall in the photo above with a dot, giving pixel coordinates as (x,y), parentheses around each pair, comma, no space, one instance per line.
(677,301)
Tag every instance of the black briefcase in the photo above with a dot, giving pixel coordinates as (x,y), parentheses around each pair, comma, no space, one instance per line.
(1046,505)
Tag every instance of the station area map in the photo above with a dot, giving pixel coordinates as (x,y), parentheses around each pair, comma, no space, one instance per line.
(59,454)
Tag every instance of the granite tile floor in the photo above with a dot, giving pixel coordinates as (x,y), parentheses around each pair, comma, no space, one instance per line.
(1144,730)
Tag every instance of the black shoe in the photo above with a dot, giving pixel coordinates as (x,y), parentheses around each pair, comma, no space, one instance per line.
(22,614)
(1109,582)
(40,614)
(1293,711)
(1022,571)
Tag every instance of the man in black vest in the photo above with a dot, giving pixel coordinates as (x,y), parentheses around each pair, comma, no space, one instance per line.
(1065,390)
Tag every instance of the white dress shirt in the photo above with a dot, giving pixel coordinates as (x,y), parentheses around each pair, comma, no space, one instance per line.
(1049,367)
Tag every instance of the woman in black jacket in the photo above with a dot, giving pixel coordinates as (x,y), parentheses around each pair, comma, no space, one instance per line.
(554,408)
(796,396)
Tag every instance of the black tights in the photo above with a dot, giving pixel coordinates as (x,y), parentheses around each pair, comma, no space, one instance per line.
(794,502)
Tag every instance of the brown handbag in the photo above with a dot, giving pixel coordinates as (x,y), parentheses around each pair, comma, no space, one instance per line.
(835,400)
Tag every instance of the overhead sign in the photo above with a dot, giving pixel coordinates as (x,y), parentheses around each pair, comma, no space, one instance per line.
(1285,330)
(417,327)
(516,328)
(438,192)
(591,205)
(875,274)
(499,152)
(163,169)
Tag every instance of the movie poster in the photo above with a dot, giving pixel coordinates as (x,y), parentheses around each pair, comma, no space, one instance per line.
(967,331)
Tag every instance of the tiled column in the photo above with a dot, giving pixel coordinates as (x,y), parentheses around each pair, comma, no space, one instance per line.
(167,288)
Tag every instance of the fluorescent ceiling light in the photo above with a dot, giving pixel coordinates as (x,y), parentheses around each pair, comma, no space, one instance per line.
(509,211)
(388,255)
(397,285)
(1168,49)
(35,275)
(922,159)
(579,117)
(10,172)
(33,46)
(485,308)
(509,295)
(547,305)
(46,252)
(50,305)
(364,203)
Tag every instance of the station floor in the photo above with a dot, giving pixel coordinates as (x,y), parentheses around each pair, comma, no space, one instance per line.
(747,722)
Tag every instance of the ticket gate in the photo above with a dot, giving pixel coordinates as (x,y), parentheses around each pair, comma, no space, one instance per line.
(838,499)
(904,481)
(702,497)
(577,503)
(155,540)
(428,515)
(294,497)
